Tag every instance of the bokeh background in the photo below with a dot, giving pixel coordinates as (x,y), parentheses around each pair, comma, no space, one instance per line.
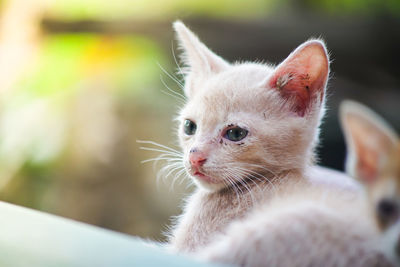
(82,80)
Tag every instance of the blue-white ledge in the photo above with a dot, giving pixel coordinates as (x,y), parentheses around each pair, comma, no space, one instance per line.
(33,238)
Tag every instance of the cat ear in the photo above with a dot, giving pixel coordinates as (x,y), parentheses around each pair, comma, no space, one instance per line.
(301,78)
(370,141)
(197,57)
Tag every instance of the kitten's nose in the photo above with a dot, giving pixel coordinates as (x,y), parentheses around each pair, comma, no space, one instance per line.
(197,158)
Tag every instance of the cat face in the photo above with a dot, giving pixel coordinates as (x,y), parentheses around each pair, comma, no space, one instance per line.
(374,158)
(246,122)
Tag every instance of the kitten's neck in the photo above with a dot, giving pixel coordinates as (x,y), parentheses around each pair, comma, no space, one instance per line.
(208,213)
(264,183)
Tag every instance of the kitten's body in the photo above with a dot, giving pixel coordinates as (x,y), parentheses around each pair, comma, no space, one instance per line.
(248,133)
(298,223)
(207,214)
(311,227)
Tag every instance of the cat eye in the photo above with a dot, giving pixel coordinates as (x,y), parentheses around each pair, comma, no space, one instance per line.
(189,127)
(235,134)
(387,211)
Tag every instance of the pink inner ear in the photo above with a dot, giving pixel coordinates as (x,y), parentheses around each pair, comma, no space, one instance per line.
(367,164)
(302,76)
(372,146)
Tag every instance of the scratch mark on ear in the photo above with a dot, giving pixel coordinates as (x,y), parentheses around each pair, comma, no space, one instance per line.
(283,80)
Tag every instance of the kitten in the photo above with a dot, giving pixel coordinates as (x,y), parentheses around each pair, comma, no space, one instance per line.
(248,133)
(374,159)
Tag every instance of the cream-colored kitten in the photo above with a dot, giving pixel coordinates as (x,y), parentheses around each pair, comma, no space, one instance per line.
(248,133)
(374,159)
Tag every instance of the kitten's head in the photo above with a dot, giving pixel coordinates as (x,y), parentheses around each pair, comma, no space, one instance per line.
(373,157)
(249,120)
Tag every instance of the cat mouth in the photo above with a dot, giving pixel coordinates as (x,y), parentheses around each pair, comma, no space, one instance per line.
(201,176)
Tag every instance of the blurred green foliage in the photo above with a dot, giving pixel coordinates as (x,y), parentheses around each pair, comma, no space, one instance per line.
(37,122)
(144,9)
(65,60)
(355,7)
(67,63)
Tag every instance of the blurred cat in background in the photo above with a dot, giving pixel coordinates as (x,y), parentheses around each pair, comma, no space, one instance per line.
(374,159)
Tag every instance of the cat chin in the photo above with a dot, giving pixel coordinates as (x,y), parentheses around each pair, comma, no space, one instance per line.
(211,187)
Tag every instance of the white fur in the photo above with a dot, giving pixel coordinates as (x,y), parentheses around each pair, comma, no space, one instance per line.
(298,231)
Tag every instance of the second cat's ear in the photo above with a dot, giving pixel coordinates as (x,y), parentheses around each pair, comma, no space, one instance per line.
(197,57)
(301,78)
(371,142)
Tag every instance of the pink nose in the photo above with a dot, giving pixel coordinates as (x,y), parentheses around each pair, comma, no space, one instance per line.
(197,159)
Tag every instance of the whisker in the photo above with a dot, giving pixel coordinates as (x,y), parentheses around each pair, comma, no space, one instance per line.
(259,177)
(179,174)
(161,151)
(235,188)
(174,169)
(161,172)
(170,163)
(236,178)
(248,173)
(246,186)
(174,166)
(243,176)
(170,76)
(228,174)
(189,184)
(158,145)
(181,101)
(259,167)
(161,158)
(168,169)
(174,94)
